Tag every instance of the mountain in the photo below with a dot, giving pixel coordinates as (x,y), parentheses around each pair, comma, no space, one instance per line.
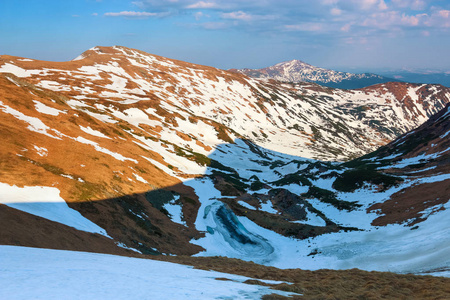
(128,153)
(299,71)
(302,119)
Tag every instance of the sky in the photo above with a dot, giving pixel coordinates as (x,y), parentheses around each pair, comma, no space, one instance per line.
(346,35)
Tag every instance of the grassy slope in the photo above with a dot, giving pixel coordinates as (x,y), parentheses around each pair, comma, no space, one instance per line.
(330,284)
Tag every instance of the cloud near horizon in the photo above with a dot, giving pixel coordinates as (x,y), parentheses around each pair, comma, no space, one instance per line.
(134,14)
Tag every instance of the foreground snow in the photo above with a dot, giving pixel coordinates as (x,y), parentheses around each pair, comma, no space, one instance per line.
(30,273)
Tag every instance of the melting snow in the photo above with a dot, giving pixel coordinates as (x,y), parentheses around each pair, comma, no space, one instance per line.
(175,211)
(41,151)
(18,71)
(104,150)
(35,124)
(42,108)
(93,132)
(53,85)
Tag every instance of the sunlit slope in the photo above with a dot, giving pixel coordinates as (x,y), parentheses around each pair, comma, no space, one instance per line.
(304,119)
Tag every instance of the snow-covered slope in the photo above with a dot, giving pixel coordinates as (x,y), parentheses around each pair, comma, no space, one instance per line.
(305,120)
(299,71)
(170,157)
(374,212)
(30,273)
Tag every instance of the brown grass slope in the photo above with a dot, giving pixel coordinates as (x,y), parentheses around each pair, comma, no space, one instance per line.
(330,284)
(84,176)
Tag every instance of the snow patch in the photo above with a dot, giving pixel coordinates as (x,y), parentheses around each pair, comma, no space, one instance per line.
(175,211)
(44,109)
(34,124)
(104,150)
(93,132)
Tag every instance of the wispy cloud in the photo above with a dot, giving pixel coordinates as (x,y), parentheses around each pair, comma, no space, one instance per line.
(202,4)
(343,18)
(312,27)
(336,11)
(412,4)
(134,14)
(237,15)
(213,25)
(346,27)
(243,16)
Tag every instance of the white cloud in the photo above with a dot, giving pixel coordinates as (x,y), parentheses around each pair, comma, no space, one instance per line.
(134,14)
(382,5)
(202,4)
(335,11)
(237,15)
(364,17)
(389,20)
(243,16)
(438,19)
(198,15)
(346,28)
(314,27)
(366,4)
(444,13)
(412,4)
(419,5)
(410,20)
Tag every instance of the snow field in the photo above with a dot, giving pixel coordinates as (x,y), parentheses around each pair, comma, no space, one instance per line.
(31,273)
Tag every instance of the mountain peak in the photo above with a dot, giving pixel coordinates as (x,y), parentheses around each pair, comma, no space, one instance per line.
(298,71)
(101,50)
(290,62)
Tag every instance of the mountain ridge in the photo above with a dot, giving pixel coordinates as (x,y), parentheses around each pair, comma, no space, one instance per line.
(265,107)
(299,71)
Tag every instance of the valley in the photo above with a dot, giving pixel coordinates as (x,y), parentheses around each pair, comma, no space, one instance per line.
(123,152)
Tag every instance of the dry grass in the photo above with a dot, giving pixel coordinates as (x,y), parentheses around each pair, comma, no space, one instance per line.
(329,284)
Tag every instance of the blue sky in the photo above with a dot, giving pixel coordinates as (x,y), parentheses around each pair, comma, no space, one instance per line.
(360,35)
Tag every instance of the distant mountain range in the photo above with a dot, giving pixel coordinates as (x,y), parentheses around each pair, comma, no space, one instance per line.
(298,71)
(129,153)
(431,77)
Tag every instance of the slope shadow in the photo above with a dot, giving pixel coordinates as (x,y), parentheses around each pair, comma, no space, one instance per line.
(169,220)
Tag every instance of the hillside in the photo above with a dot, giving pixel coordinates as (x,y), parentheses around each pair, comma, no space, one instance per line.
(305,120)
(128,153)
